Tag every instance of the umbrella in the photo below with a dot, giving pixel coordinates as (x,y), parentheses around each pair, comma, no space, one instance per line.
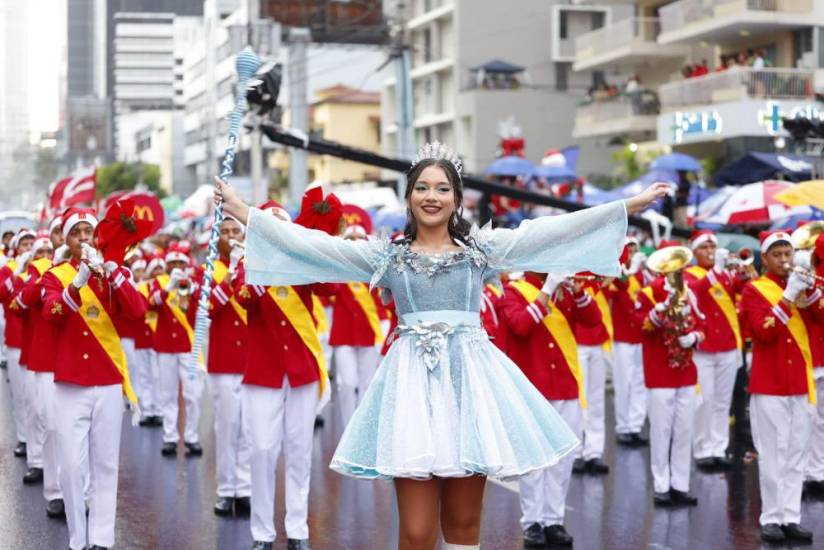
(394,220)
(765,166)
(808,193)
(796,215)
(636,186)
(736,241)
(553,172)
(509,166)
(595,195)
(754,203)
(676,161)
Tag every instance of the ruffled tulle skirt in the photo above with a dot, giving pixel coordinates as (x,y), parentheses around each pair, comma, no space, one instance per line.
(470,411)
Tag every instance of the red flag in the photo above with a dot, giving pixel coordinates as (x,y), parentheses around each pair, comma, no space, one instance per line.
(81,188)
(55,201)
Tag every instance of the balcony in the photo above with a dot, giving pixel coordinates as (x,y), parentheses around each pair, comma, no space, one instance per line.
(626,114)
(627,43)
(720,20)
(737,84)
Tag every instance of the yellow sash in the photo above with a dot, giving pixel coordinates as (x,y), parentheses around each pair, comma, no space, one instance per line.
(364,298)
(100,325)
(293,308)
(172,301)
(558,326)
(770,290)
(151,316)
(724,301)
(42,265)
(221,270)
(633,287)
(606,315)
(320,315)
(494,290)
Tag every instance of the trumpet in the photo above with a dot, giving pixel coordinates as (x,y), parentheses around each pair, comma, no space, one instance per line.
(234,243)
(817,279)
(87,251)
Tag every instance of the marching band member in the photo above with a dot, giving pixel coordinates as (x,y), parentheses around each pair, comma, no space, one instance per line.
(82,296)
(490,301)
(718,356)
(285,374)
(671,330)
(595,357)
(226,362)
(628,365)
(781,386)
(145,348)
(42,356)
(10,282)
(171,299)
(815,463)
(539,320)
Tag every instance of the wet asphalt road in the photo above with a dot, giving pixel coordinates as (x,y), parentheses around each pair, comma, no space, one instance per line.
(167,503)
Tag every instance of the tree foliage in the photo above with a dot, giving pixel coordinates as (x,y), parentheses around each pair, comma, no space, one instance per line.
(122,176)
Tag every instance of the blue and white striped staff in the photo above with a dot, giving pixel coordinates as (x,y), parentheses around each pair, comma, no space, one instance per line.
(246,65)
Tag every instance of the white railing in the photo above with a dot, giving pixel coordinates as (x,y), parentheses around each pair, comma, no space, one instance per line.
(685,12)
(736,84)
(623,33)
(624,106)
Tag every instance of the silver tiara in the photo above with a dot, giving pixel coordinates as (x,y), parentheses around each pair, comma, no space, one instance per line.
(439,151)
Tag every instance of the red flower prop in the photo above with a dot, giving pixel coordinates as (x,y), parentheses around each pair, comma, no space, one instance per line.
(321,210)
(120,230)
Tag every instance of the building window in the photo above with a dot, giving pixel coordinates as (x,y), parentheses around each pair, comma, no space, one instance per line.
(597,19)
(427,46)
(562,76)
(563,29)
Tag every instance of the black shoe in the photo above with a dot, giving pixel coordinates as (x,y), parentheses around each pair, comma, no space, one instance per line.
(578,466)
(706,464)
(319,421)
(33,476)
(723,463)
(772,532)
(639,440)
(557,535)
(157,421)
(193,449)
(224,506)
(682,498)
(625,440)
(146,421)
(20,450)
(662,499)
(534,536)
(796,532)
(596,466)
(297,544)
(96,547)
(814,489)
(243,506)
(169,449)
(260,545)
(56,509)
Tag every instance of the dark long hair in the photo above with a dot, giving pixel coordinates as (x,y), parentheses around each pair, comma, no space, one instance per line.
(457,226)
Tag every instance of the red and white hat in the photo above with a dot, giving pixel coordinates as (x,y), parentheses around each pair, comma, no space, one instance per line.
(234,219)
(177,252)
(22,234)
(355,231)
(275,208)
(667,243)
(702,236)
(56,223)
(769,238)
(74,216)
(138,264)
(42,240)
(155,262)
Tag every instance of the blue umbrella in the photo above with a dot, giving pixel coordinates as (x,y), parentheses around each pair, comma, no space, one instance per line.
(554,172)
(509,166)
(595,195)
(798,215)
(636,186)
(676,161)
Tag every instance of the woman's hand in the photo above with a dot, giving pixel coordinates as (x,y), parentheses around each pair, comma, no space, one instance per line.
(644,199)
(232,205)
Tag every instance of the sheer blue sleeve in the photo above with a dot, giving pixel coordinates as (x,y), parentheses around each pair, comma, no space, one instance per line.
(283,253)
(587,240)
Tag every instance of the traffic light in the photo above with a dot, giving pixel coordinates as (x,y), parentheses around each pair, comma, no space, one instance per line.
(263,91)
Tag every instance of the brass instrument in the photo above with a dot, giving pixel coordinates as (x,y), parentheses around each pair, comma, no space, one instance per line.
(805,236)
(671,262)
(86,251)
(743,261)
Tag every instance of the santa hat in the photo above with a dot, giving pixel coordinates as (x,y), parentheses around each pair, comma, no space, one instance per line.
(667,243)
(140,263)
(41,243)
(56,223)
(356,231)
(631,239)
(702,236)
(177,252)
(22,234)
(74,216)
(769,238)
(553,157)
(234,219)
(155,262)
(275,208)
(819,251)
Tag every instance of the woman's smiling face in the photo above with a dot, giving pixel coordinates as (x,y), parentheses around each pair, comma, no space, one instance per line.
(432,200)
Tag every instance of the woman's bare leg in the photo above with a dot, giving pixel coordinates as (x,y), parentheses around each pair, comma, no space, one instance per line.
(418,507)
(461,501)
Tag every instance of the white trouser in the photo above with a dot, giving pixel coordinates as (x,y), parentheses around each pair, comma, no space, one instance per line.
(174,368)
(781,426)
(594,364)
(280,418)
(630,392)
(18,392)
(35,428)
(815,456)
(543,493)
(671,419)
(149,381)
(89,420)
(716,376)
(231,447)
(354,368)
(45,412)
(2,334)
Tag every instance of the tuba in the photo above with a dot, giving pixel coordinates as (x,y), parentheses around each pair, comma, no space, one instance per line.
(671,263)
(804,238)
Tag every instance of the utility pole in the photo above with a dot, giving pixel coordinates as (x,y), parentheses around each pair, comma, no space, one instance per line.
(404,106)
(298,109)
(210,13)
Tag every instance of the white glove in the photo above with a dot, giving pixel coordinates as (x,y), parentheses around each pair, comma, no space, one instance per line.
(110,267)
(174,279)
(660,307)
(82,277)
(722,258)
(636,263)
(60,253)
(796,284)
(688,340)
(23,261)
(803,258)
(92,257)
(551,284)
(235,257)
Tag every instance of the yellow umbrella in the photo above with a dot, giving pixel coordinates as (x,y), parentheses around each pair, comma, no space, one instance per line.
(808,193)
